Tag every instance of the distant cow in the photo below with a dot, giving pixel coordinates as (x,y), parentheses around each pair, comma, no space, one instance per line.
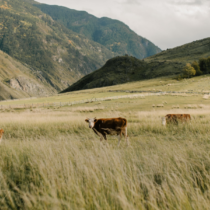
(109,126)
(1,134)
(175,118)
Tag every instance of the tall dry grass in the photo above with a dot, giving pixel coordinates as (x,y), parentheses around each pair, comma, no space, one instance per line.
(52,160)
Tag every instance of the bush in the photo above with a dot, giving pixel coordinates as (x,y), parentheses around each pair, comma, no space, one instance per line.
(188,71)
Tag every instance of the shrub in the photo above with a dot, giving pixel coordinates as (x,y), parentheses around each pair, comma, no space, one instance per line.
(188,71)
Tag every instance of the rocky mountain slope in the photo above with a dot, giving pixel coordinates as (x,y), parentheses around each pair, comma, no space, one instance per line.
(19,81)
(113,34)
(124,69)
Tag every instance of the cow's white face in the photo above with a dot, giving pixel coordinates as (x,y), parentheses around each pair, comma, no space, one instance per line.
(91,122)
(163,120)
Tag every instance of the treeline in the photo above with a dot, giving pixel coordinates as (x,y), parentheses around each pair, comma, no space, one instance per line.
(196,68)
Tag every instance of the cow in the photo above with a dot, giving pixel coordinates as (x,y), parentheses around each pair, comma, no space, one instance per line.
(109,126)
(175,118)
(1,134)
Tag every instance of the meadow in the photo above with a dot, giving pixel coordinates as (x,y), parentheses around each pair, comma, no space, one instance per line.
(196,84)
(50,159)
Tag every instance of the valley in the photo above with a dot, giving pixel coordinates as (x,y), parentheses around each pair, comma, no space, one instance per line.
(53,159)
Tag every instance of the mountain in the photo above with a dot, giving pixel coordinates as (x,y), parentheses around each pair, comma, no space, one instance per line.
(122,69)
(53,54)
(51,51)
(113,34)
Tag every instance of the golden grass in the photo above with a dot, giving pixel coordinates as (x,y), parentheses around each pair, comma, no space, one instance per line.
(50,159)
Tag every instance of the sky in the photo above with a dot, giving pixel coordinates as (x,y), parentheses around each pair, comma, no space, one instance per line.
(166,23)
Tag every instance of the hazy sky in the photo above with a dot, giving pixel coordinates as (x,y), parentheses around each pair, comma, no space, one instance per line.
(167,23)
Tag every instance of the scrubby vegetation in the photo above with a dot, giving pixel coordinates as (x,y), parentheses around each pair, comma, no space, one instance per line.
(196,68)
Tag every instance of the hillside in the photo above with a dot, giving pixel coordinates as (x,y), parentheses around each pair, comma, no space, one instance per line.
(193,88)
(56,54)
(113,34)
(124,69)
(18,80)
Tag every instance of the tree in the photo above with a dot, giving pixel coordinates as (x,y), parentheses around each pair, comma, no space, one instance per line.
(196,66)
(188,71)
(204,64)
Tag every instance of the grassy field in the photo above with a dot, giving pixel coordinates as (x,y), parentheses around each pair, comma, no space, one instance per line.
(196,84)
(50,159)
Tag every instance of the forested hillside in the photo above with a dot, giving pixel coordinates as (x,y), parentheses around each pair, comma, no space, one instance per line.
(113,34)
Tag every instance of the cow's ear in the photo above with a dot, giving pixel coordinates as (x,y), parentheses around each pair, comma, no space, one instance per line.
(95,119)
(86,120)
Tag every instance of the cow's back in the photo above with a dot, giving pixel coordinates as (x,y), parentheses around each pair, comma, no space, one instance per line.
(177,117)
(112,123)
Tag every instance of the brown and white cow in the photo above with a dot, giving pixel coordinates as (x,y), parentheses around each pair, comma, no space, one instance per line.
(109,126)
(175,118)
(1,134)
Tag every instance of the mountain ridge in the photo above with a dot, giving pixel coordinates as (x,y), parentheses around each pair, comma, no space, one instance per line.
(111,33)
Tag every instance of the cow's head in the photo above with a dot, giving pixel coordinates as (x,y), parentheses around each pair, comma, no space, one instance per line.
(91,122)
(163,120)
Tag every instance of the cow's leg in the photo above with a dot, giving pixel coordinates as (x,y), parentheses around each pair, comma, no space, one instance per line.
(119,138)
(126,136)
(103,136)
(176,121)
